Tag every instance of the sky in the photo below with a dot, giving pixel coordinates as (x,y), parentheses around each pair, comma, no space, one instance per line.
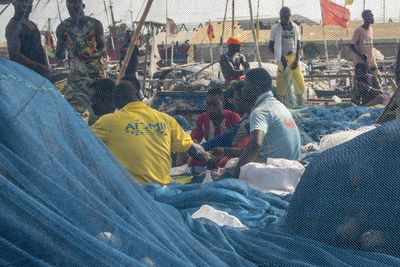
(193,10)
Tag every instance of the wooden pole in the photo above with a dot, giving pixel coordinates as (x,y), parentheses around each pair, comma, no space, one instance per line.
(221,40)
(341,37)
(324,35)
(212,57)
(223,29)
(47,55)
(384,11)
(133,41)
(211,49)
(233,17)
(146,55)
(111,31)
(59,11)
(172,51)
(130,11)
(257,27)
(283,3)
(166,33)
(325,43)
(153,47)
(364,5)
(254,34)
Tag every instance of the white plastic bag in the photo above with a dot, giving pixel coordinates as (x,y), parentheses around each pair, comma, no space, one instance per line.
(277,176)
(219,217)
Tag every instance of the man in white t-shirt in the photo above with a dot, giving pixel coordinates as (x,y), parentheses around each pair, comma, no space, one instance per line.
(285,44)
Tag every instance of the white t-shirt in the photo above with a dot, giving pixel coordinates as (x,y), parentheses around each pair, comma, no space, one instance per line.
(289,42)
(286,40)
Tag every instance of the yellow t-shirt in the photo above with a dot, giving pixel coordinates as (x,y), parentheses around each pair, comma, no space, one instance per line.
(143,139)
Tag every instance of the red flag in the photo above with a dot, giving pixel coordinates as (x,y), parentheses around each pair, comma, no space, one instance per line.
(210,32)
(334,14)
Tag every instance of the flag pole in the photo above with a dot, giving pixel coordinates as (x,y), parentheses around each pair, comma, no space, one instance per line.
(166,33)
(172,51)
(222,35)
(254,35)
(324,35)
(233,17)
(59,12)
(133,41)
(152,51)
(211,50)
(257,27)
(341,36)
(223,29)
(384,11)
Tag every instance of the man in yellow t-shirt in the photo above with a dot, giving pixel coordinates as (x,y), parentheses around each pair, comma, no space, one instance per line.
(143,138)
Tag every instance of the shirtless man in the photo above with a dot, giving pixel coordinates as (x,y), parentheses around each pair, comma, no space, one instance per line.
(23,39)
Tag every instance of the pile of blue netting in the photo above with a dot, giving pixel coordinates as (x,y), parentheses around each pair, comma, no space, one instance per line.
(350,195)
(315,122)
(65,200)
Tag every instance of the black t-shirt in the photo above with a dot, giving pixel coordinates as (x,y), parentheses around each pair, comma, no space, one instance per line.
(132,62)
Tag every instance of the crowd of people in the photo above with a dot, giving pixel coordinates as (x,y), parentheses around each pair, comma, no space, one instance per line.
(143,139)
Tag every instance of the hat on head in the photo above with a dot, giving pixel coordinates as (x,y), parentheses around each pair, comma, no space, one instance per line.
(234,40)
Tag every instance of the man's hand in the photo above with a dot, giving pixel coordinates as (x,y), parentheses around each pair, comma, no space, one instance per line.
(198,153)
(212,163)
(295,64)
(250,152)
(284,62)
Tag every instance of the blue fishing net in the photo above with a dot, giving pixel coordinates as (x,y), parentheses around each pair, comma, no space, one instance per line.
(315,122)
(65,200)
(350,195)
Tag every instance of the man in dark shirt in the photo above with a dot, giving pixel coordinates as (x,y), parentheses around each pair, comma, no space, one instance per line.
(23,39)
(134,60)
(232,60)
(101,94)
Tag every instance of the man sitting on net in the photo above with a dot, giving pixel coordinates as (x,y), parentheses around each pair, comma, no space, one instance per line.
(216,120)
(101,96)
(273,132)
(230,144)
(143,138)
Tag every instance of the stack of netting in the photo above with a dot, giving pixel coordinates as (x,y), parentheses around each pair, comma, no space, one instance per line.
(350,195)
(65,200)
(315,122)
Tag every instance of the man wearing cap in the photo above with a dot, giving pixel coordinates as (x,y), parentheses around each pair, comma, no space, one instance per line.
(232,60)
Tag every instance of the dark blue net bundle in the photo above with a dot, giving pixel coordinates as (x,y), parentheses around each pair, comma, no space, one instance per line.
(350,195)
(65,200)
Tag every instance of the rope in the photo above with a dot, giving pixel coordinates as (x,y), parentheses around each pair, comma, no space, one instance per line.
(4,9)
